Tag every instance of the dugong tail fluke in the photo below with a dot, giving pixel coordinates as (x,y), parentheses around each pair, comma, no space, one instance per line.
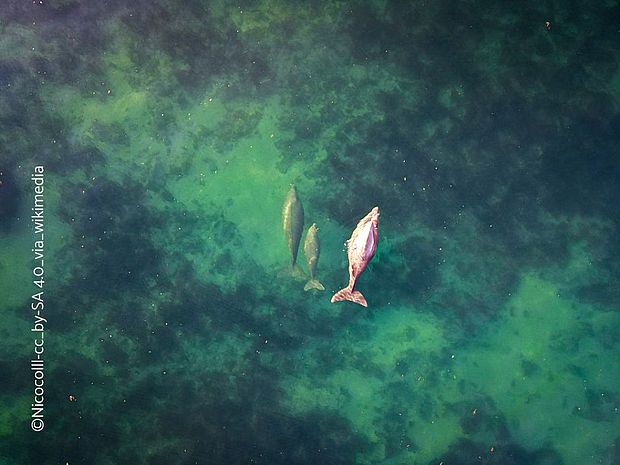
(314,284)
(350,295)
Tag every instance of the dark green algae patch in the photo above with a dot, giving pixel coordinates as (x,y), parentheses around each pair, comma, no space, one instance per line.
(170,133)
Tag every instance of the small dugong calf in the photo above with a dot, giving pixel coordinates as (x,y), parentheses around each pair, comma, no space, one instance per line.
(312,250)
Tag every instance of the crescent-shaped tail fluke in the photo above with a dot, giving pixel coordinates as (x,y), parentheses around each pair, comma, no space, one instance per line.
(314,284)
(350,295)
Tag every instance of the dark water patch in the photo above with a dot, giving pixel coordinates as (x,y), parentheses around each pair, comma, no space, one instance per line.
(397,439)
(78,371)
(601,404)
(582,173)
(123,260)
(408,274)
(112,227)
(578,371)
(28,129)
(286,328)
(128,314)
(193,35)
(466,452)
(82,443)
(10,199)
(238,124)
(111,248)
(606,294)
(235,424)
(55,11)
(192,303)
(189,304)
(426,407)
(11,70)
(72,35)
(481,420)
(147,390)
(84,423)
(478,295)
(110,133)
(113,353)
(602,289)
(226,310)
(608,337)
(15,377)
(514,217)
(87,158)
(529,368)
(404,27)
(313,438)
(365,22)
(615,454)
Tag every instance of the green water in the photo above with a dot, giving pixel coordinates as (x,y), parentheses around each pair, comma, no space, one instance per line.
(170,133)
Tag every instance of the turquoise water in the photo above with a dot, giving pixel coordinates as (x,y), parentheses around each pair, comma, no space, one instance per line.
(170,133)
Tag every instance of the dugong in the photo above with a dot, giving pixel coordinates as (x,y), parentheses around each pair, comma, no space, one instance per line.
(293,222)
(361,249)
(312,250)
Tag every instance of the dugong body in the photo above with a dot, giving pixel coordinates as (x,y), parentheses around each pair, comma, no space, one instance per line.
(361,249)
(293,222)
(312,250)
